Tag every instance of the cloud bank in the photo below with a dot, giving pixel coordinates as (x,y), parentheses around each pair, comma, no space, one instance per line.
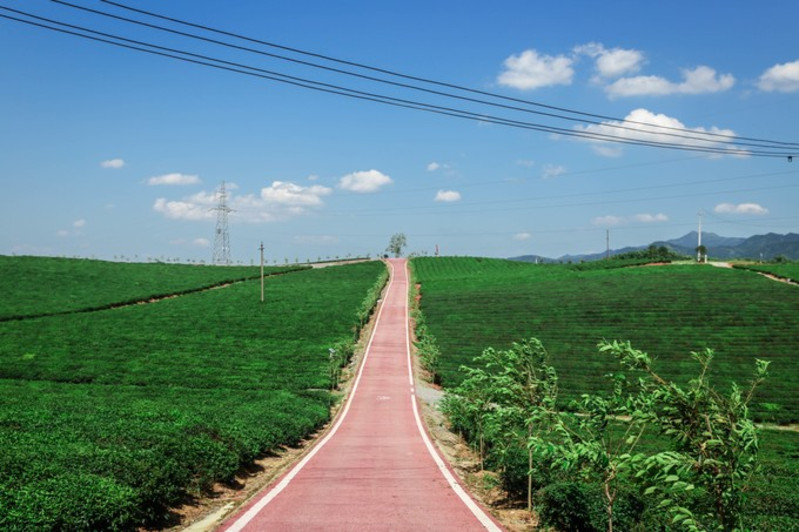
(279,201)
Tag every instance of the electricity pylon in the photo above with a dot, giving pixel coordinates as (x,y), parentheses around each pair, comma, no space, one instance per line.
(222,238)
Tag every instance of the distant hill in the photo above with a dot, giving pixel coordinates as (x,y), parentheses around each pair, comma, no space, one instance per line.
(766,246)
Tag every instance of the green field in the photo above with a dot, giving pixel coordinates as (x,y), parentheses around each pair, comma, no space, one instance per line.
(470,304)
(785,270)
(35,286)
(668,311)
(109,417)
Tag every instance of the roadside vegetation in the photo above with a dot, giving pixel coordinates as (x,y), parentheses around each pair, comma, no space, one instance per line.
(613,437)
(109,418)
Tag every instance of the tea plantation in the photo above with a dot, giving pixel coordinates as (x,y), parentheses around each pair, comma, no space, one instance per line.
(36,286)
(668,311)
(109,417)
(470,304)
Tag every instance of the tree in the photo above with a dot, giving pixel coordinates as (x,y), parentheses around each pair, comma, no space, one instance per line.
(396,244)
(589,443)
(701,253)
(509,394)
(715,441)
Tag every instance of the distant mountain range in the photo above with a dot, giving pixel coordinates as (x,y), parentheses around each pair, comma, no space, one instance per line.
(766,246)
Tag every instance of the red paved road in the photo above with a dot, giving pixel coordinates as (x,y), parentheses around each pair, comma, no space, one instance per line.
(374,471)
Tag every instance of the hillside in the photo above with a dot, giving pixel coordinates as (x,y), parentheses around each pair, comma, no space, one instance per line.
(469,304)
(764,247)
(110,417)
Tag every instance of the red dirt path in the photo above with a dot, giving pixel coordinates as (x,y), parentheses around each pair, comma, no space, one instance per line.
(374,470)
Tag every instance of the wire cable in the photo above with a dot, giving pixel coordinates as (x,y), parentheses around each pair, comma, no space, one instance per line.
(364,95)
(430,81)
(700,136)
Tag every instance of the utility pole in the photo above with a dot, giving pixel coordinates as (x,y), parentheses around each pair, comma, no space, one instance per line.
(607,243)
(262,272)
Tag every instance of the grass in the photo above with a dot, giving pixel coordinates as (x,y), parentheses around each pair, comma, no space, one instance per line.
(109,417)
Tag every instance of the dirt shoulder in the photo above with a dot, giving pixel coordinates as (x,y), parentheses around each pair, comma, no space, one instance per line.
(205,513)
(481,484)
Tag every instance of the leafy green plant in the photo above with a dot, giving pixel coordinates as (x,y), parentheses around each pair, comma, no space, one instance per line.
(509,391)
(108,418)
(669,310)
(716,442)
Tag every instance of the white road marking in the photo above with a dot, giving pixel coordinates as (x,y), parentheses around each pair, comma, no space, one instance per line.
(478,512)
(245,519)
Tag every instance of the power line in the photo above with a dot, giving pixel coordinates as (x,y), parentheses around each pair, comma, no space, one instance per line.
(430,211)
(364,95)
(700,136)
(424,80)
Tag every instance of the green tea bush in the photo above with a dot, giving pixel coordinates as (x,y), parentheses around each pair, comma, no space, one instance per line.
(109,418)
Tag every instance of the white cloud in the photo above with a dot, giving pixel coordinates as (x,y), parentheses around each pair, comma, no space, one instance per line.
(313,177)
(279,201)
(780,78)
(447,196)
(77,224)
(551,170)
(173,179)
(62,233)
(608,220)
(614,62)
(432,167)
(531,70)
(193,209)
(700,80)
(364,182)
(741,208)
(651,218)
(646,126)
(522,236)
(113,163)
(526,163)
(290,194)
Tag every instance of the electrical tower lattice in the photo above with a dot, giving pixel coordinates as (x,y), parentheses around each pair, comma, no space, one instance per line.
(222,236)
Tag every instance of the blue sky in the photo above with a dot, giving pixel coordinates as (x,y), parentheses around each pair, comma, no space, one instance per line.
(108,152)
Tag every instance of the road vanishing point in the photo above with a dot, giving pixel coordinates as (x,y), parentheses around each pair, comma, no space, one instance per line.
(376,469)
